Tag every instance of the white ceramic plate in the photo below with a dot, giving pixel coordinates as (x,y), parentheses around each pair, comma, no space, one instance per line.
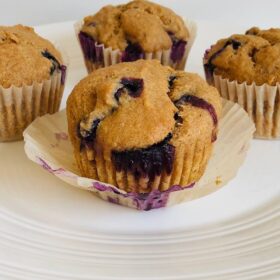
(49,230)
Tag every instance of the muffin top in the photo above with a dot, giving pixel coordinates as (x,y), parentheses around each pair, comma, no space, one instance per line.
(272,35)
(137,105)
(25,57)
(147,24)
(253,57)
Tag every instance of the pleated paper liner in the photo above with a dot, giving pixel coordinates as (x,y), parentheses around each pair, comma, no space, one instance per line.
(19,106)
(262,103)
(190,161)
(97,56)
(47,143)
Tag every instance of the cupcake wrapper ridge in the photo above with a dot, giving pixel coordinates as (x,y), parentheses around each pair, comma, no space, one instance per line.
(19,106)
(262,103)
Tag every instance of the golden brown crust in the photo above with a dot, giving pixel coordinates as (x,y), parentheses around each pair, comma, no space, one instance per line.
(254,57)
(21,59)
(272,35)
(140,21)
(156,115)
(138,123)
(193,84)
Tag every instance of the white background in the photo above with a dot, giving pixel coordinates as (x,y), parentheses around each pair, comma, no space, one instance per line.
(263,13)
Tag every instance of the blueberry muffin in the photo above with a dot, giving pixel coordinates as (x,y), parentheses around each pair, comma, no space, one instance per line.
(245,69)
(142,126)
(137,30)
(32,78)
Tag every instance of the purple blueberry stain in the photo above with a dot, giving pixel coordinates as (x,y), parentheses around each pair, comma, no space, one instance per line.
(178,48)
(99,54)
(146,162)
(91,50)
(105,188)
(235,44)
(54,61)
(88,136)
(100,187)
(155,199)
(171,81)
(132,52)
(178,119)
(113,200)
(200,103)
(88,46)
(63,69)
(56,66)
(47,167)
(208,71)
(133,87)
(142,201)
(209,67)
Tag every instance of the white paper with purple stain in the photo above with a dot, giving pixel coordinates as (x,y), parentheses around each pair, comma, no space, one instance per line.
(47,143)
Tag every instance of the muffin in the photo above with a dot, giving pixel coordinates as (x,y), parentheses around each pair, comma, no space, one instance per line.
(137,30)
(142,126)
(32,77)
(246,69)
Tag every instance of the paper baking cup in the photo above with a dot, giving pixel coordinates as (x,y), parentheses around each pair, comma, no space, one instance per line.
(97,56)
(188,166)
(262,104)
(47,143)
(19,106)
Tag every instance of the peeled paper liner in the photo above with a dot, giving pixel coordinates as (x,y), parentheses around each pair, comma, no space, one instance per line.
(19,106)
(262,104)
(111,57)
(47,143)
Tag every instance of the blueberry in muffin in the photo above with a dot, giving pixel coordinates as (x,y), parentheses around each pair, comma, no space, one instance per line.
(32,77)
(142,126)
(135,29)
(245,69)
(245,58)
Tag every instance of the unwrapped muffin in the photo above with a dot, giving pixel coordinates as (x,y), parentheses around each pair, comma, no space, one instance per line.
(142,126)
(32,77)
(137,30)
(246,69)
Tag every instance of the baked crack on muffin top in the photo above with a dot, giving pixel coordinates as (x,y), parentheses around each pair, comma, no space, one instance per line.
(137,27)
(252,57)
(26,57)
(137,117)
